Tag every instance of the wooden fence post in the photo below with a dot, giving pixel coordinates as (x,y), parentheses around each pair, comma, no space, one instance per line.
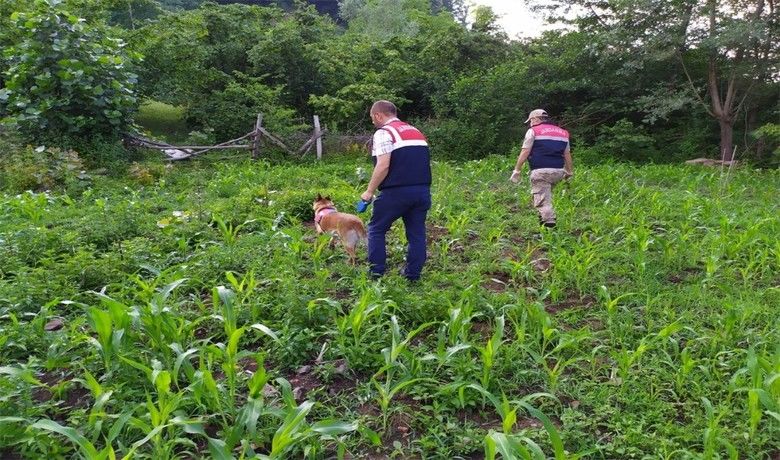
(256,140)
(318,135)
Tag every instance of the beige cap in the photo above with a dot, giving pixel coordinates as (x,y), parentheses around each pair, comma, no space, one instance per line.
(538,113)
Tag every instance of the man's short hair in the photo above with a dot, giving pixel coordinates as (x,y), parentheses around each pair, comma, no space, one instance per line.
(385,108)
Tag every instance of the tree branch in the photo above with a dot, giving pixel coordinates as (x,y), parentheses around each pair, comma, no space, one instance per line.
(693,87)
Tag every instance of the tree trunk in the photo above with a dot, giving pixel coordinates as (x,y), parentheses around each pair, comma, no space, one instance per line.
(726,139)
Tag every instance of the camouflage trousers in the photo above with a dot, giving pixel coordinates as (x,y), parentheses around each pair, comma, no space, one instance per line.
(542,182)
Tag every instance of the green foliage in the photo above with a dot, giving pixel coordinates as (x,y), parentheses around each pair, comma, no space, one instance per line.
(351,103)
(626,141)
(65,77)
(769,135)
(232,112)
(380,19)
(40,168)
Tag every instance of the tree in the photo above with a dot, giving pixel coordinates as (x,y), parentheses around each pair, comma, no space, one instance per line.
(735,40)
(486,21)
(65,77)
(381,19)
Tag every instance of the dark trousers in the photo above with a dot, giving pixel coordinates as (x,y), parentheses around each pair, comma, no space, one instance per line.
(410,204)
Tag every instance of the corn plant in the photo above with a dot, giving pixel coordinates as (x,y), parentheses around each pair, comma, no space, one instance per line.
(489,352)
(460,316)
(162,420)
(294,431)
(227,230)
(357,322)
(398,345)
(110,325)
(762,385)
(713,438)
(627,358)
(510,445)
(386,392)
(443,353)
(229,353)
(611,304)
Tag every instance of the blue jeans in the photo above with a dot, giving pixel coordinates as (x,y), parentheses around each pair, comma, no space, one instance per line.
(410,204)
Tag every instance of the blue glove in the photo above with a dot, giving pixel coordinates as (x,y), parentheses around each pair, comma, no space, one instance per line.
(362,205)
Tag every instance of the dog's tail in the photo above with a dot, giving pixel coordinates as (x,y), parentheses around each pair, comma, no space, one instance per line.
(354,235)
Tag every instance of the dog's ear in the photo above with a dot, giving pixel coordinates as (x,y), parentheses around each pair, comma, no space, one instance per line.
(327,197)
(319,197)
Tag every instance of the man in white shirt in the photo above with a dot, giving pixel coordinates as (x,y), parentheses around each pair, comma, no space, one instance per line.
(402,172)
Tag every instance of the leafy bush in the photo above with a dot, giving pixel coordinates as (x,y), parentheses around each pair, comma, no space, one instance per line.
(626,141)
(66,78)
(769,136)
(351,103)
(232,112)
(40,168)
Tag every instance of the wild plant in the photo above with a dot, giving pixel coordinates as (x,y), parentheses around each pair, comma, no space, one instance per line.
(31,205)
(292,239)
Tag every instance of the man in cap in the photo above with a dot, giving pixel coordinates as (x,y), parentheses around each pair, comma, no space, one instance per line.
(402,172)
(547,150)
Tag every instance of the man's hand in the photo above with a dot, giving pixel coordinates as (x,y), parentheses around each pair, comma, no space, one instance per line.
(567,175)
(515,176)
(367,196)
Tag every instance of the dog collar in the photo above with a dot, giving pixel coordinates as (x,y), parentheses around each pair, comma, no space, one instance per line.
(322,213)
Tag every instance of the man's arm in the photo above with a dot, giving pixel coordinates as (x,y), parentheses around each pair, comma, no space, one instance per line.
(380,172)
(519,166)
(568,166)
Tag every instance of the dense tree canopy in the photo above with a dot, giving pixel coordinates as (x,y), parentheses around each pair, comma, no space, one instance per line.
(636,80)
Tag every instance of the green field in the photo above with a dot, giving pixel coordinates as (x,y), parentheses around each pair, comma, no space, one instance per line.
(191,311)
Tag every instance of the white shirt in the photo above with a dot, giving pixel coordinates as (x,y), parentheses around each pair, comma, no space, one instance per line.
(383,141)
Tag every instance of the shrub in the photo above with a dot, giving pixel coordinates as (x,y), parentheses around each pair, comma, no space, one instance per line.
(40,168)
(625,141)
(232,112)
(769,139)
(65,77)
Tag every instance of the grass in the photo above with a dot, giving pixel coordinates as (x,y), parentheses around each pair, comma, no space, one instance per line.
(163,121)
(193,312)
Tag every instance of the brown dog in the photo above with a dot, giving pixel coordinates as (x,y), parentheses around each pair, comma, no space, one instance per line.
(348,226)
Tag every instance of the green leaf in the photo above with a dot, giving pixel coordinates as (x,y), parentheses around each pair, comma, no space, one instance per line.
(86,447)
(265,330)
(334,427)
(284,435)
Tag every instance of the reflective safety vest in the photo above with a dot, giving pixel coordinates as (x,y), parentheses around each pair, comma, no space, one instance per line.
(550,143)
(411,160)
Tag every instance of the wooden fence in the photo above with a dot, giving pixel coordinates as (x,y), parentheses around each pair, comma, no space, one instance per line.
(252,141)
